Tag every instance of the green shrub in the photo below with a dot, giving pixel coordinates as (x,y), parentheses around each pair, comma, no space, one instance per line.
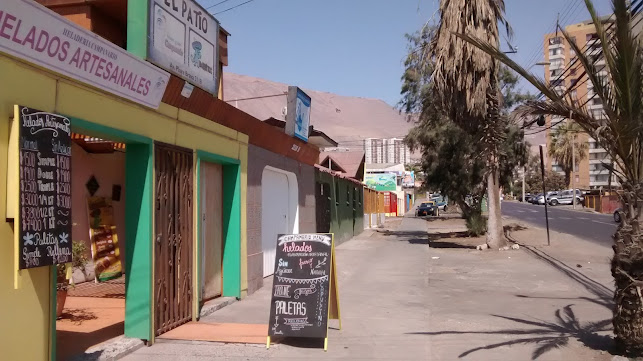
(476,224)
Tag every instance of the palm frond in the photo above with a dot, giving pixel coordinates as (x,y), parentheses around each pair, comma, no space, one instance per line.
(620,132)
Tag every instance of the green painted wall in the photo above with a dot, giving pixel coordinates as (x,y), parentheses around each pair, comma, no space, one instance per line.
(232,230)
(347,217)
(139,180)
(137,27)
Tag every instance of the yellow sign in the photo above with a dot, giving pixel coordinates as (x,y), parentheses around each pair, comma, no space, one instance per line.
(104,239)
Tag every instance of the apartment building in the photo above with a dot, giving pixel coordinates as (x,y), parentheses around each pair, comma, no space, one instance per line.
(564,72)
(382,150)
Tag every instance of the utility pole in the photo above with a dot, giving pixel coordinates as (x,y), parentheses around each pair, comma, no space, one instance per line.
(573,164)
(524,170)
(574,171)
(542,171)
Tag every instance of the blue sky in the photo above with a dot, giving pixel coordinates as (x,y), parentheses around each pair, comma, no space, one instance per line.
(357,47)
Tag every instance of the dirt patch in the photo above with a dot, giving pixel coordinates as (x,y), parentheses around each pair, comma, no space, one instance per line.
(455,240)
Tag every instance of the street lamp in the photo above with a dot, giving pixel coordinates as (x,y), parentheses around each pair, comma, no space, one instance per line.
(524,168)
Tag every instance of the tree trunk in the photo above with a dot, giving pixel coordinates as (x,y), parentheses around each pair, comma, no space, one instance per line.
(464,207)
(627,270)
(568,178)
(495,235)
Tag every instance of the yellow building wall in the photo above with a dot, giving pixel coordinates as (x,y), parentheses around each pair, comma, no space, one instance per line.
(25,312)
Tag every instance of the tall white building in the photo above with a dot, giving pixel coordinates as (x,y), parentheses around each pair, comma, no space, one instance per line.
(383,150)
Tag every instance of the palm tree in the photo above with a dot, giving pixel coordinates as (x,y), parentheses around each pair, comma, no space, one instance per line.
(564,147)
(620,133)
(465,80)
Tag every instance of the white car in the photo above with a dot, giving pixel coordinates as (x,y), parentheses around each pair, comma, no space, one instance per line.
(566,197)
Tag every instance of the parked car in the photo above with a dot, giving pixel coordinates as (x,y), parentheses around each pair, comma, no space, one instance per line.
(617,215)
(533,198)
(551,194)
(536,199)
(528,197)
(567,197)
(427,209)
(440,201)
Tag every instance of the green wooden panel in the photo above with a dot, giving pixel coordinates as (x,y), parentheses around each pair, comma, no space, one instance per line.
(232,230)
(101,131)
(345,223)
(137,17)
(139,180)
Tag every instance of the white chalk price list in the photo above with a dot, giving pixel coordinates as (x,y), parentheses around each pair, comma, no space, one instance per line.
(45,187)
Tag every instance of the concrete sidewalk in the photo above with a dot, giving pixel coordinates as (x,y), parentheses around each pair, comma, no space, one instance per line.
(402,300)
(539,302)
(383,293)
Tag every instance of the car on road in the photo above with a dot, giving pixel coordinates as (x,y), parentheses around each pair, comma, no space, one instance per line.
(551,194)
(617,215)
(528,197)
(440,201)
(538,199)
(427,209)
(566,197)
(535,198)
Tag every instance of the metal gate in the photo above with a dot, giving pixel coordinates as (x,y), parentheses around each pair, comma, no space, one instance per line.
(173,237)
(323,200)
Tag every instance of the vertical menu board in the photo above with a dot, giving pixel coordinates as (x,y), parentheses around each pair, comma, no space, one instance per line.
(45,188)
(301,286)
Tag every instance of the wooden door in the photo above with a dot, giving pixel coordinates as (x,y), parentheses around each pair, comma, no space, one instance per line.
(173,224)
(211,230)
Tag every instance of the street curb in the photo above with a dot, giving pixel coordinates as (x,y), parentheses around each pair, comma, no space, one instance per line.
(113,349)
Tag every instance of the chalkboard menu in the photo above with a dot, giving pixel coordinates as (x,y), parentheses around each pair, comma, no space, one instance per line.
(302,286)
(45,188)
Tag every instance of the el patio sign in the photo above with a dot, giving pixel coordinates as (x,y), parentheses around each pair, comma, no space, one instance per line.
(36,34)
(183,39)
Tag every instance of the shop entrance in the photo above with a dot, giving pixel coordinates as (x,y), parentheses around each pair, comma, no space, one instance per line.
(279,212)
(91,295)
(211,213)
(173,229)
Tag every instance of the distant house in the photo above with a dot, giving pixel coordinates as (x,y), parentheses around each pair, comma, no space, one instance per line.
(350,164)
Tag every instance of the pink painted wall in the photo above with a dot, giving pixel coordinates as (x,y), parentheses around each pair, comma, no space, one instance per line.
(109,169)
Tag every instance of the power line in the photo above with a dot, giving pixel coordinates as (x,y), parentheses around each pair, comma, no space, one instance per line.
(219,3)
(635,9)
(541,48)
(559,20)
(566,11)
(234,7)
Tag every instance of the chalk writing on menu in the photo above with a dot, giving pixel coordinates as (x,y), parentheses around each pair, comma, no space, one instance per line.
(299,305)
(45,188)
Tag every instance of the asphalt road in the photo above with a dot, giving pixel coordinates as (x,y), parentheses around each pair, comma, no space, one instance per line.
(597,228)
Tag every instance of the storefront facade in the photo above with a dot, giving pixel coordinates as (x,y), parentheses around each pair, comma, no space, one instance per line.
(28,297)
(281,200)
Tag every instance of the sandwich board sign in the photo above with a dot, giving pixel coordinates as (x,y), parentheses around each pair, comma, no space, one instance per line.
(304,289)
